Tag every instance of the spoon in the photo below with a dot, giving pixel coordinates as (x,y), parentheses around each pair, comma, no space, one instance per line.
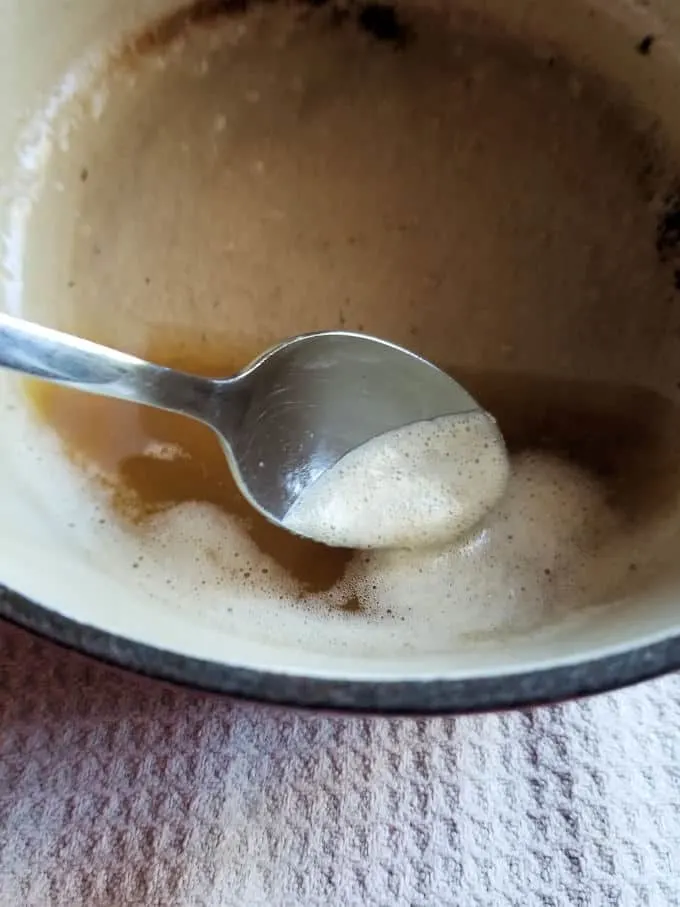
(283,421)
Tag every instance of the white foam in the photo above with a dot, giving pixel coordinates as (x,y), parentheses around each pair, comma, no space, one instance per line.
(421,484)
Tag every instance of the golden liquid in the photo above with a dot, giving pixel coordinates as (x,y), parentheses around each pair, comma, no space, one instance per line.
(115,436)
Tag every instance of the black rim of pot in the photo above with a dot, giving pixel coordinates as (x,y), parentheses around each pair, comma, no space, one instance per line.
(412,697)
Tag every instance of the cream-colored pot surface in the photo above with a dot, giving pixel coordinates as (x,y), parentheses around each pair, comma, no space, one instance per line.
(236,219)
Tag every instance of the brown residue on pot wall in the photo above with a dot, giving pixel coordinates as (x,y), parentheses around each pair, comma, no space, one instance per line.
(668,228)
(381,21)
(164,31)
(644,47)
(668,235)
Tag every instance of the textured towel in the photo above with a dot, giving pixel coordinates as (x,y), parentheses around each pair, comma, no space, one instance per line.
(117,791)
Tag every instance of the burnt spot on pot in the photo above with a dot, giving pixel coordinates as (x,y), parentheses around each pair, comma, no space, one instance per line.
(382,22)
(668,235)
(668,228)
(644,46)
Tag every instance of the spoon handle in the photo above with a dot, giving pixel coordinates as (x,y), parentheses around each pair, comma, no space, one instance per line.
(51,355)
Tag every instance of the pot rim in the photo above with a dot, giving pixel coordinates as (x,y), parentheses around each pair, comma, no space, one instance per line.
(412,697)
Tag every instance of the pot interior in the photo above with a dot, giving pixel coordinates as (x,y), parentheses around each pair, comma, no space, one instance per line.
(494,185)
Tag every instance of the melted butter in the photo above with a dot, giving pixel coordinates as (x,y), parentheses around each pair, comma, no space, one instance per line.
(122,440)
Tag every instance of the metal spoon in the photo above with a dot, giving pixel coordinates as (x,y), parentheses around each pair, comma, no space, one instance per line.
(282,421)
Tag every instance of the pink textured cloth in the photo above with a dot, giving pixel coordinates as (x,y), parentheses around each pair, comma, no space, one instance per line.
(117,791)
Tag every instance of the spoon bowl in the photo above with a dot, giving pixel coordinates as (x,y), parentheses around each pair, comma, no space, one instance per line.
(283,421)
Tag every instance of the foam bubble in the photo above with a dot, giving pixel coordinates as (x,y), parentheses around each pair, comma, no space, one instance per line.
(421,484)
